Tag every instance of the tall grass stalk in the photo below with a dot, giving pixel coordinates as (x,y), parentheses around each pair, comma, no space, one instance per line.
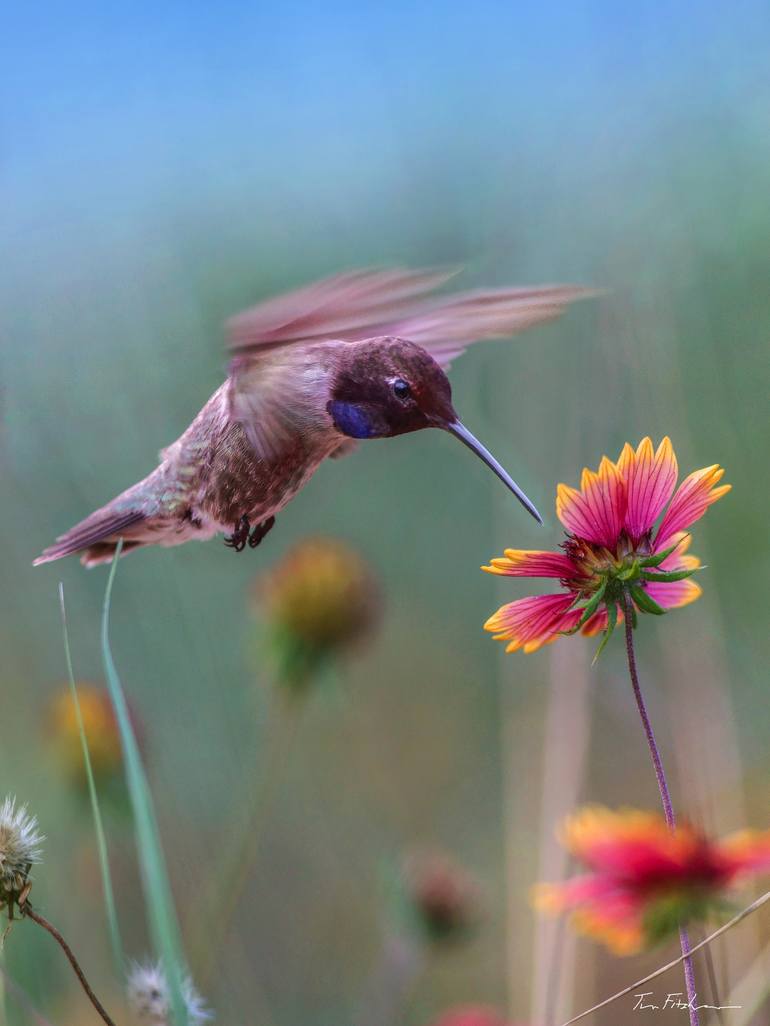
(164,928)
(101,841)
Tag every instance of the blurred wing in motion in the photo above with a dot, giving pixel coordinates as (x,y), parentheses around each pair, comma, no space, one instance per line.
(365,304)
(446,327)
(346,307)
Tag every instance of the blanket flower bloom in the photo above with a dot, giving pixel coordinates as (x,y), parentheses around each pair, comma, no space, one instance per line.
(643,878)
(612,549)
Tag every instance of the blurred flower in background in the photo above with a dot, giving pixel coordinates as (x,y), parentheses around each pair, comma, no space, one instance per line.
(101,732)
(443,896)
(470,1015)
(148,997)
(319,601)
(20,843)
(645,879)
(610,550)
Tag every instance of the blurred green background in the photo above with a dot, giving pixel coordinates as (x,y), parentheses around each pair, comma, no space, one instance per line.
(163,171)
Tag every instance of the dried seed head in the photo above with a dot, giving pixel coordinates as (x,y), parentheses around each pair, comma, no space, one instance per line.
(19,850)
(148,996)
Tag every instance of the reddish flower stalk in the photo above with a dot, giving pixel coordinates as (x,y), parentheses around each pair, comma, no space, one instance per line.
(30,913)
(665,795)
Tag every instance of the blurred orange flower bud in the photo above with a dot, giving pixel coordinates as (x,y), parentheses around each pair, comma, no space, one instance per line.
(100,727)
(321,599)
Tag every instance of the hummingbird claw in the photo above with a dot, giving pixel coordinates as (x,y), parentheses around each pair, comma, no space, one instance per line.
(237,540)
(260,531)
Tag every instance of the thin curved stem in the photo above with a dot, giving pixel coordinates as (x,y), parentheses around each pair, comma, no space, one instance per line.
(30,913)
(665,794)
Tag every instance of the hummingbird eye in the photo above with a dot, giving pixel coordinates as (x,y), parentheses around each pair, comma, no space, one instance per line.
(401,389)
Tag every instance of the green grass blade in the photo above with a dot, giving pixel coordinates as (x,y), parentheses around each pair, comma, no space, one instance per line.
(164,928)
(101,841)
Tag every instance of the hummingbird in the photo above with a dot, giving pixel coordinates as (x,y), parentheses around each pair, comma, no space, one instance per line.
(358,356)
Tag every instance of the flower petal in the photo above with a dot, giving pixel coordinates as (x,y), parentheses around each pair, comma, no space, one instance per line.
(692,498)
(650,481)
(682,540)
(673,594)
(532,622)
(532,563)
(595,513)
(611,842)
(617,922)
(746,851)
(601,909)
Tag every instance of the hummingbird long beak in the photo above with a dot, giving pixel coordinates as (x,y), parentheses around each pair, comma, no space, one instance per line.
(460,431)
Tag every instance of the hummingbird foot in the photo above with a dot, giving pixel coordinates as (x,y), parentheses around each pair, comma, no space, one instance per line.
(260,531)
(237,540)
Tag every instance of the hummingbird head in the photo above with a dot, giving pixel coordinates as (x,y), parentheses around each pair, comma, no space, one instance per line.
(389,386)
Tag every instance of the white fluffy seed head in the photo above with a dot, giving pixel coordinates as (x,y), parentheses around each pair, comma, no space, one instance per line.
(148,995)
(20,843)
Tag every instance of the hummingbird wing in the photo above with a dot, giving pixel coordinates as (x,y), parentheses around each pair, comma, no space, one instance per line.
(447,326)
(366,304)
(345,306)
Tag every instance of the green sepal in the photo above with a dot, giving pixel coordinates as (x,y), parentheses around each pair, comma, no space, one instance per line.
(612,619)
(589,609)
(645,603)
(669,575)
(631,573)
(657,557)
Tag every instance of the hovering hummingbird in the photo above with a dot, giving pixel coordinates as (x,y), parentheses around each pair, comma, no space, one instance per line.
(357,356)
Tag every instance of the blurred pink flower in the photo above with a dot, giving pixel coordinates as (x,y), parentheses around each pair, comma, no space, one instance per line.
(643,878)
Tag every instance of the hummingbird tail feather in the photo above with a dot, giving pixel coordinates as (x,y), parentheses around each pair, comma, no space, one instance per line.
(96,537)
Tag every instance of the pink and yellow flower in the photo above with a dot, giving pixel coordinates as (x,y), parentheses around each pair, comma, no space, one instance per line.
(644,879)
(612,548)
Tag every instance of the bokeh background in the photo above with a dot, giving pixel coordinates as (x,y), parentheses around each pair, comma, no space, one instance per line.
(164,167)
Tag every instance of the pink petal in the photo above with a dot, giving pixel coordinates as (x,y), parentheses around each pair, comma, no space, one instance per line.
(672,594)
(596,512)
(531,563)
(531,622)
(650,480)
(691,500)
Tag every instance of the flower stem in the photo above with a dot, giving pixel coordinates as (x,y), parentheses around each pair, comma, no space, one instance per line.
(30,913)
(665,795)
